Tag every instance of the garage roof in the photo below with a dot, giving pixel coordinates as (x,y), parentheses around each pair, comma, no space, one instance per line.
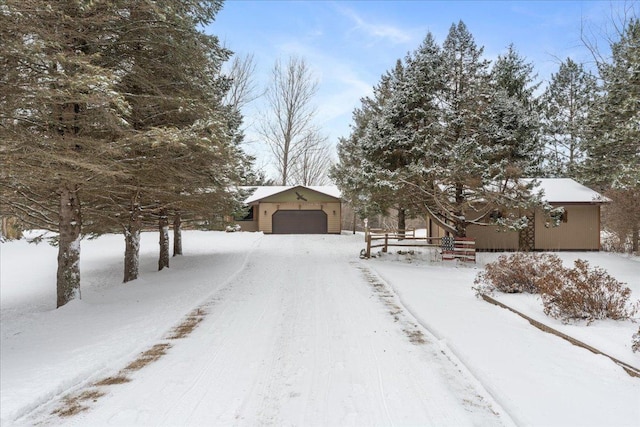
(566,190)
(263,192)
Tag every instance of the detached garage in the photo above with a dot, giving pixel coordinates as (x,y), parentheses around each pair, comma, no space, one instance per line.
(294,210)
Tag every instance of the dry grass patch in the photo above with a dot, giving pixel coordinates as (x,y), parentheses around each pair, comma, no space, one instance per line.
(188,325)
(149,356)
(415,336)
(118,379)
(72,404)
(90,395)
(69,410)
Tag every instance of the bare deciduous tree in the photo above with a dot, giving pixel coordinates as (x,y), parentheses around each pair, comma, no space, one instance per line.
(599,38)
(287,126)
(314,162)
(243,88)
(612,162)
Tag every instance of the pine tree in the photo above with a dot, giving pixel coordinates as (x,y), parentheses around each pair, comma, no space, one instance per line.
(613,150)
(489,139)
(456,174)
(111,111)
(385,152)
(60,114)
(513,122)
(182,153)
(358,185)
(402,136)
(567,104)
(449,138)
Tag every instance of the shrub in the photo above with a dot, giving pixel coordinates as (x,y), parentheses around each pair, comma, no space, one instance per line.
(520,272)
(635,341)
(584,293)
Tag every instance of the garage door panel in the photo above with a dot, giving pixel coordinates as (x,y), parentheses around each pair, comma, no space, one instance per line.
(299,222)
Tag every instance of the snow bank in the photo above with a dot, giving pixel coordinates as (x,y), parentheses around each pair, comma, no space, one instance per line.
(539,379)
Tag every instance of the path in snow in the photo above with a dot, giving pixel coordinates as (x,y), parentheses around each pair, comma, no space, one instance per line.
(302,336)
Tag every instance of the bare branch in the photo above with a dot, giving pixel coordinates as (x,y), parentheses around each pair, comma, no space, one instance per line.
(243,89)
(288,122)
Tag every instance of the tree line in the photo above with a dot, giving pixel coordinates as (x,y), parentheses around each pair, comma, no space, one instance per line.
(114,116)
(451,134)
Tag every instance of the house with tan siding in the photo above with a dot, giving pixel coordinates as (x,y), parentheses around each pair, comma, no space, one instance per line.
(579,229)
(293,210)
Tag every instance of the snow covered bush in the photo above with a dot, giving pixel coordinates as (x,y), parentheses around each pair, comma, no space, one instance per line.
(579,293)
(585,293)
(635,341)
(519,272)
(612,242)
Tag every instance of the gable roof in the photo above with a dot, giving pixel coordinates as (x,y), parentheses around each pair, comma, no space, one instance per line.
(262,192)
(566,190)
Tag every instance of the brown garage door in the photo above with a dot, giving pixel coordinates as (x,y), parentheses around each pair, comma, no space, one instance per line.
(299,222)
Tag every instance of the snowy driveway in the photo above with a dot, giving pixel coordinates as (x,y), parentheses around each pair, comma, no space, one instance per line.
(302,336)
(297,331)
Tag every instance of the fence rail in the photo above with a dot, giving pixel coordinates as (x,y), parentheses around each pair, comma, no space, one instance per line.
(461,248)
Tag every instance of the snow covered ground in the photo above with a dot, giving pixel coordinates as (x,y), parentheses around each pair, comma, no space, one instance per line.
(296,330)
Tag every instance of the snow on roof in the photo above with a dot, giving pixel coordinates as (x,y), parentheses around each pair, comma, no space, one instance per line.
(556,190)
(566,190)
(266,191)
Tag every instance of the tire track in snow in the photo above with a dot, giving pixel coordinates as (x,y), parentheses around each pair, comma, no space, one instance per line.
(473,394)
(301,337)
(238,286)
(80,396)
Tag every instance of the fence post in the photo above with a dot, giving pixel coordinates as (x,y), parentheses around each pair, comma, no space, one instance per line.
(368,246)
(366,229)
(386,242)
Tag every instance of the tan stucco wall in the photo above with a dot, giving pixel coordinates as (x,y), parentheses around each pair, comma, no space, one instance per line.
(488,238)
(248,225)
(580,232)
(291,196)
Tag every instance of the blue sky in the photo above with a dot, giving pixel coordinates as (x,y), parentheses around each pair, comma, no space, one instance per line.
(350,44)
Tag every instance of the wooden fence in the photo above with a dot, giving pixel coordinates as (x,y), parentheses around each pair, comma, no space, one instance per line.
(450,248)
(462,248)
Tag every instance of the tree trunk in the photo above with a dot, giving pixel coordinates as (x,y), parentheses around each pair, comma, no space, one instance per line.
(177,234)
(132,243)
(460,222)
(10,229)
(402,223)
(163,226)
(461,228)
(354,222)
(68,275)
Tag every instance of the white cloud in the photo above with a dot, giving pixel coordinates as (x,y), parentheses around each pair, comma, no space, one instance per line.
(377,30)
